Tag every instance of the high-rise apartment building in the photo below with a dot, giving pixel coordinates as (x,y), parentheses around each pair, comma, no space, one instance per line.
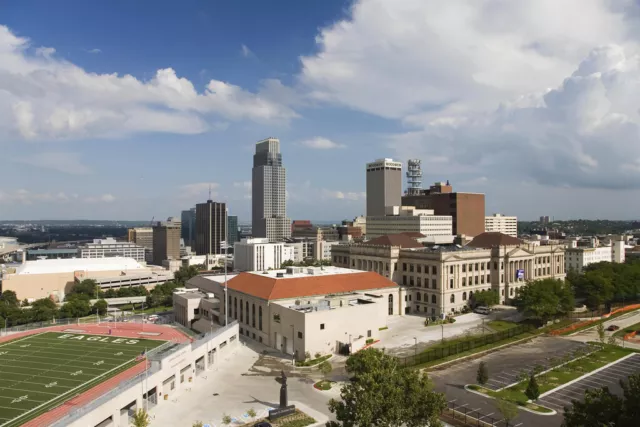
(384,186)
(166,240)
(268,193)
(188,230)
(211,227)
(503,224)
(466,209)
(232,230)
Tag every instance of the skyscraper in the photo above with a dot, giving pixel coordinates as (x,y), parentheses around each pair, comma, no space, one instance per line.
(232,230)
(384,186)
(211,227)
(188,232)
(166,240)
(268,192)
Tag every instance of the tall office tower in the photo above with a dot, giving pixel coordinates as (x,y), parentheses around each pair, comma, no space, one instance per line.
(384,186)
(166,240)
(188,231)
(268,193)
(232,230)
(143,236)
(211,227)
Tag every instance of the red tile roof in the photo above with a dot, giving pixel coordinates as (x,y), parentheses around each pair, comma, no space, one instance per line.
(404,240)
(492,239)
(271,288)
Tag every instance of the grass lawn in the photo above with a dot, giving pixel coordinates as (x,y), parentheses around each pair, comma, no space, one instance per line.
(501,325)
(560,375)
(313,362)
(627,330)
(42,371)
(323,385)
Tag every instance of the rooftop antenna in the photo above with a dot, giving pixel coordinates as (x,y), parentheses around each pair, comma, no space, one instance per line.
(209,191)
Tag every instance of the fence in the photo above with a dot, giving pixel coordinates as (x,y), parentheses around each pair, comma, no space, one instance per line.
(457,346)
(457,414)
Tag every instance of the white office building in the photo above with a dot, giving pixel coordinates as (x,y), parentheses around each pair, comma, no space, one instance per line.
(501,224)
(408,219)
(579,257)
(258,254)
(107,248)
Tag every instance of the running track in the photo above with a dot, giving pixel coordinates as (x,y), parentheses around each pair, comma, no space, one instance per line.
(125,330)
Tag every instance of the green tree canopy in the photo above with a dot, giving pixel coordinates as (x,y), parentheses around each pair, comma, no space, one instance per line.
(545,299)
(9,298)
(100,307)
(486,298)
(383,394)
(88,287)
(43,309)
(184,274)
(75,307)
(532,391)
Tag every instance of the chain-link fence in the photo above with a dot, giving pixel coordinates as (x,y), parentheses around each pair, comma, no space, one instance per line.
(461,415)
(460,346)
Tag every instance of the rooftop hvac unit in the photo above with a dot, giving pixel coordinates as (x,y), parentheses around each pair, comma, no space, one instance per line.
(279,274)
(211,295)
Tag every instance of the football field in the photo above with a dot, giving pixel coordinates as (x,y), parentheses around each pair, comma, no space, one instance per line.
(41,371)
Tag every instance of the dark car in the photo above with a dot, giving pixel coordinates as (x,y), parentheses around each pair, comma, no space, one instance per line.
(262,424)
(613,328)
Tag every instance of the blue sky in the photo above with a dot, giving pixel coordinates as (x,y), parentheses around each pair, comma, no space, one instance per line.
(128,110)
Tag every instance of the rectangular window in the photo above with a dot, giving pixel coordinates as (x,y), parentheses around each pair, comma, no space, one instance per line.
(451,269)
(482,266)
(419,280)
(476,280)
(299,334)
(464,268)
(411,268)
(369,333)
(495,265)
(404,280)
(482,279)
(451,283)
(434,270)
(411,281)
(477,266)
(488,278)
(321,326)
(433,284)
(404,266)
(419,268)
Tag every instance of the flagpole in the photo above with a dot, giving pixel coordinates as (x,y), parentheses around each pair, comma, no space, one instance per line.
(146,379)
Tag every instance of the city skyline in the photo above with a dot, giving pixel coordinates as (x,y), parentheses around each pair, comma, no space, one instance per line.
(538,114)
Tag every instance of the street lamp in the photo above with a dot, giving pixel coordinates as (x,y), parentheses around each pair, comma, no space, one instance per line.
(293,346)
(415,350)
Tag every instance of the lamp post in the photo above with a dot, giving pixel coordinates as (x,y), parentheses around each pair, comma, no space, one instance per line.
(415,349)
(293,346)
(442,328)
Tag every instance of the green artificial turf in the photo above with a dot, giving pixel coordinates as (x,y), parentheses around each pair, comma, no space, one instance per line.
(40,372)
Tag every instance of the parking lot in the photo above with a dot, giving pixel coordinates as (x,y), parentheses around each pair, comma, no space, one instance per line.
(506,373)
(609,377)
(451,380)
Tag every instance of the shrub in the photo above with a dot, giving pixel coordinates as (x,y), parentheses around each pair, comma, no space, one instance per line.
(369,341)
(226,419)
(318,355)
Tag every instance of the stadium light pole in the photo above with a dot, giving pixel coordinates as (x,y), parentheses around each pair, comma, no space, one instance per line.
(226,246)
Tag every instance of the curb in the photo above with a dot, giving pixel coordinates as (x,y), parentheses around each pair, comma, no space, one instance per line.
(552,413)
(480,353)
(560,387)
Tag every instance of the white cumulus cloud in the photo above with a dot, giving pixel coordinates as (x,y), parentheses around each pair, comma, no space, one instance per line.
(46,97)
(320,143)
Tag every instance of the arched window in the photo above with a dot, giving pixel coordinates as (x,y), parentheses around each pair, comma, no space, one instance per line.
(235,308)
(453,298)
(433,299)
(260,317)
(390,304)
(241,311)
(418,298)
(464,296)
(247,307)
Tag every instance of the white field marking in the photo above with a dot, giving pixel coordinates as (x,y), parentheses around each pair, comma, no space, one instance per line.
(28,391)
(13,409)
(2,365)
(21,339)
(39,376)
(28,354)
(62,396)
(25,358)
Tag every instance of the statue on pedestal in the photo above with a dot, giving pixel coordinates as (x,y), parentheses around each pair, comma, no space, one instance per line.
(283,391)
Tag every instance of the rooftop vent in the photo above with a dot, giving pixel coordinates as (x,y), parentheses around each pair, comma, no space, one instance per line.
(280,274)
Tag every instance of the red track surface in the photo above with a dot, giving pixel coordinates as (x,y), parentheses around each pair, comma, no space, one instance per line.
(126,330)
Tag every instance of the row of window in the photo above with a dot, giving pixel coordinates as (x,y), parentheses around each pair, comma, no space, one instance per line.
(244,314)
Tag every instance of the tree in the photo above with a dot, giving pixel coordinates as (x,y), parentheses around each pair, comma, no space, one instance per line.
(110,293)
(141,418)
(383,394)
(532,391)
(252,413)
(100,307)
(507,409)
(600,330)
(226,419)
(545,299)
(486,298)
(185,273)
(75,307)
(88,287)
(9,298)
(599,408)
(483,374)
(43,309)
(197,424)
(325,368)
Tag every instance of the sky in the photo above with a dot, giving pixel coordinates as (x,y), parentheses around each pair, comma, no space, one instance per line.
(133,110)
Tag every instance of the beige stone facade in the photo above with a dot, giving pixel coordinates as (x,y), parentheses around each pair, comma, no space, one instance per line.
(443,280)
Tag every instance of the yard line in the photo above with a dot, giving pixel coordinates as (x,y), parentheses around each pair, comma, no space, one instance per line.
(44,369)
(44,357)
(20,339)
(41,376)
(28,391)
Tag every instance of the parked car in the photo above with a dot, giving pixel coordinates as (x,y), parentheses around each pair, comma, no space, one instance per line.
(482,310)
(262,424)
(613,328)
